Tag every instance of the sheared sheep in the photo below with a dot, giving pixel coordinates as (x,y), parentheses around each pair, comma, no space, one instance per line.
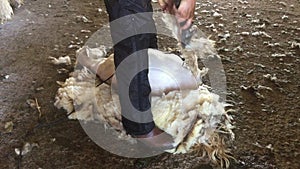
(185,109)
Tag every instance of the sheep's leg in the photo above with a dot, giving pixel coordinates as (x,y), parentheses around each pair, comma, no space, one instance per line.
(104,68)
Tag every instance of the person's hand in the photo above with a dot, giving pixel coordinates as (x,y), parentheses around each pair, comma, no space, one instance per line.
(185,12)
(167,6)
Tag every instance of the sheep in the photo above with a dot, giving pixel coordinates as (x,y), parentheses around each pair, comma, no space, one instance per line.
(195,117)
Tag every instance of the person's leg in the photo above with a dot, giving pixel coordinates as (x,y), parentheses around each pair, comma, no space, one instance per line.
(139,87)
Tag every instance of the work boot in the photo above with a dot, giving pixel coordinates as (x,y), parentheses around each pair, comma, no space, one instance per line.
(157,139)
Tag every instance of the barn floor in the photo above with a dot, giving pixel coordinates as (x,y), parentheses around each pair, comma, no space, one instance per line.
(267,119)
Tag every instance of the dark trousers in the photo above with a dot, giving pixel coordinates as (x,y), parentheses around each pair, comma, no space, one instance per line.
(137,89)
